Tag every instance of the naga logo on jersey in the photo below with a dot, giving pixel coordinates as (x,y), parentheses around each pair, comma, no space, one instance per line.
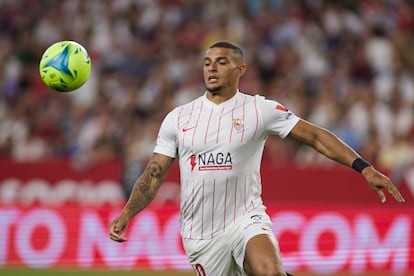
(238,124)
(193,162)
(210,161)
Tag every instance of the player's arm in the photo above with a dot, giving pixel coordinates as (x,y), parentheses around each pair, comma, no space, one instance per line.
(326,143)
(143,192)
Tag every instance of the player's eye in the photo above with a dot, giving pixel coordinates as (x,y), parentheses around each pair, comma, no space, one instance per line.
(222,61)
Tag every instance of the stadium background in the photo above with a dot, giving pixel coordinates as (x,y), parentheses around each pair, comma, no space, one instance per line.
(69,160)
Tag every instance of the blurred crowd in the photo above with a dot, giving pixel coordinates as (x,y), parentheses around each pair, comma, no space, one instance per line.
(346,65)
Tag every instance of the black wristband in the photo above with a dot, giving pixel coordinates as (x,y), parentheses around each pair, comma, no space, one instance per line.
(359,164)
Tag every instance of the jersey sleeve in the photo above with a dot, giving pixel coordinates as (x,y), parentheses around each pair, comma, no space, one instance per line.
(277,119)
(167,137)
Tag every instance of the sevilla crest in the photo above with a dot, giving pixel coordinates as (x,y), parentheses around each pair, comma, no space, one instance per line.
(238,124)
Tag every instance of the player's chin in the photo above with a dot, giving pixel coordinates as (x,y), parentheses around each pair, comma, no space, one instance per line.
(213,89)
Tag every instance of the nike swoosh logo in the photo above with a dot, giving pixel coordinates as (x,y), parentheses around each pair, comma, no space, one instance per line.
(188,128)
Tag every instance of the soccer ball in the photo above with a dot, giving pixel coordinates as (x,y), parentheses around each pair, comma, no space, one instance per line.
(65,66)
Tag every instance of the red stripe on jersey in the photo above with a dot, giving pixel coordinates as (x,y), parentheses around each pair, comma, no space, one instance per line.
(179,117)
(252,192)
(196,123)
(202,213)
(232,118)
(212,213)
(235,200)
(244,106)
(178,121)
(219,124)
(225,206)
(245,193)
(192,211)
(189,118)
(257,119)
(187,190)
(208,125)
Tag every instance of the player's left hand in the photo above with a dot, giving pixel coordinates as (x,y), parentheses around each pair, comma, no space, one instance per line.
(117,227)
(379,182)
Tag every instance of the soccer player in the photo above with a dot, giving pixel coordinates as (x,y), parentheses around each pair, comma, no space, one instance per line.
(218,140)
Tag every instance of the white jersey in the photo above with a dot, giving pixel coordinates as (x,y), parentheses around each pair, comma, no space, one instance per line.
(220,149)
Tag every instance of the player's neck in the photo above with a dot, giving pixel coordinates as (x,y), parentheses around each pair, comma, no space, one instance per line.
(219,97)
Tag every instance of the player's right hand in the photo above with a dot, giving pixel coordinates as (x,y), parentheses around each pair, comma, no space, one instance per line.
(117,227)
(379,182)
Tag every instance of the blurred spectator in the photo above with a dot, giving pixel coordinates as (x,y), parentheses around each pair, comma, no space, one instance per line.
(346,65)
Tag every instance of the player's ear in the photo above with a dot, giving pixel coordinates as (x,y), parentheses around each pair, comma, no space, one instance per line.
(242,68)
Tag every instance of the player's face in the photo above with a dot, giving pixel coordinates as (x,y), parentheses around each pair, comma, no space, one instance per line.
(222,70)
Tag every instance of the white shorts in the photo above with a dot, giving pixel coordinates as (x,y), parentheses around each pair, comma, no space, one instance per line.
(224,254)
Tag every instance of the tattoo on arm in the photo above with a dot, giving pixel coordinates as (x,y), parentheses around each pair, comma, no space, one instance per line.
(148,183)
(153,173)
(154,169)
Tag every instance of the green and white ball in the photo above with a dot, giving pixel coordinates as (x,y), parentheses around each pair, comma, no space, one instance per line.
(65,66)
